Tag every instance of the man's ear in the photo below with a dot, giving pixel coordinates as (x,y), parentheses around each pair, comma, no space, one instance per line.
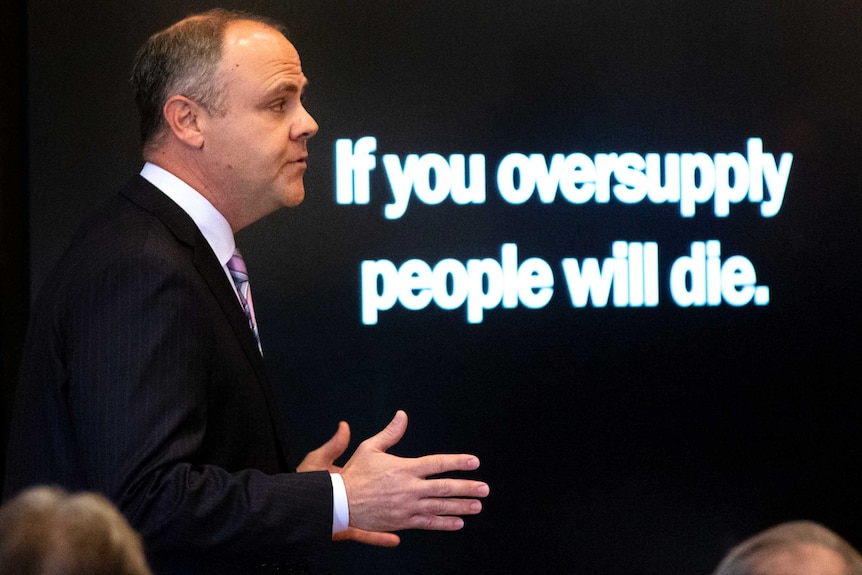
(185,118)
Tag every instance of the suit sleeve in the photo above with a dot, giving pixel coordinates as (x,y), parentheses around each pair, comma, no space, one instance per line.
(140,370)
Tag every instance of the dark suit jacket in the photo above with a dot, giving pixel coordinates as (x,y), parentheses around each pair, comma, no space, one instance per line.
(142,380)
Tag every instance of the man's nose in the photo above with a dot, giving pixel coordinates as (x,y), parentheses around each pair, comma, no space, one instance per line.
(306,127)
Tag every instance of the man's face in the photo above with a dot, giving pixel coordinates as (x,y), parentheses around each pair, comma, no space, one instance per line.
(256,152)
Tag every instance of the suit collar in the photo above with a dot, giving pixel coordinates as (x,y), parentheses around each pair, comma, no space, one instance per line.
(151,199)
(212,224)
(181,225)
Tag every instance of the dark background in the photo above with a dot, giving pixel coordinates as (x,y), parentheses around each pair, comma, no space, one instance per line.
(615,440)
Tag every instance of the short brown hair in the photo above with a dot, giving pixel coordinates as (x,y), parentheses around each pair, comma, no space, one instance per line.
(182,60)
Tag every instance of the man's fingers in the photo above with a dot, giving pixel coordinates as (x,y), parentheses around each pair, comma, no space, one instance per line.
(323,458)
(437,523)
(391,434)
(444,463)
(337,444)
(450,506)
(377,538)
(447,487)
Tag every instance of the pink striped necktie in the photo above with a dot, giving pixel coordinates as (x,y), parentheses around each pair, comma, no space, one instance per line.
(236,267)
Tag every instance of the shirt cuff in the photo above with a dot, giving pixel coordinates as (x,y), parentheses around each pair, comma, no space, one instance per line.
(340,509)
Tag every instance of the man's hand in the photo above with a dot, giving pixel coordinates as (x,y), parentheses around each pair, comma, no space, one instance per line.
(323,459)
(389,493)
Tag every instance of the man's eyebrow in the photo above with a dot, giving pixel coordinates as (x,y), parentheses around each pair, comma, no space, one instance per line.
(289,87)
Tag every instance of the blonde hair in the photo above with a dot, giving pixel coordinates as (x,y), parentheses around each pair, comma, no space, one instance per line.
(746,558)
(46,531)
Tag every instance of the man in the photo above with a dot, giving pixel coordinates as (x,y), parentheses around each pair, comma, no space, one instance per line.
(46,531)
(142,375)
(793,548)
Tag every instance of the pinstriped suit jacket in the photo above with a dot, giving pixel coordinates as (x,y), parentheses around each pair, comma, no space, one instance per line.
(141,379)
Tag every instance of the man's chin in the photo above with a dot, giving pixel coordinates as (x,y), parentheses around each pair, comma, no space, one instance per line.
(294,197)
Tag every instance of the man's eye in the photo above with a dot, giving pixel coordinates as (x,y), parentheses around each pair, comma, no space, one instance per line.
(278,106)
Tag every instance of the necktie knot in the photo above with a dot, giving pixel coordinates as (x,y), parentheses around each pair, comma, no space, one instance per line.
(236,264)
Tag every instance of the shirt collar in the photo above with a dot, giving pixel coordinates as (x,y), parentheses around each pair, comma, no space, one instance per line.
(214,227)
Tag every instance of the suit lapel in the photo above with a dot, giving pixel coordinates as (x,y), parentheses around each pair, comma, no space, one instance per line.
(150,198)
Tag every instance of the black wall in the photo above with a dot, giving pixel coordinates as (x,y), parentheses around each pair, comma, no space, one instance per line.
(644,440)
(14,245)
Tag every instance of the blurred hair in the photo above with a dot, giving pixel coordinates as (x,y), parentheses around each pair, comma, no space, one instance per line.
(747,557)
(46,531)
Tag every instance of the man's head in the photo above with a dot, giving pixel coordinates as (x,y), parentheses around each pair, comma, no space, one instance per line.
(46,531)
(220,101)
(794,548)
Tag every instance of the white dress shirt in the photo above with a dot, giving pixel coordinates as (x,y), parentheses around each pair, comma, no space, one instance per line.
(218,234)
